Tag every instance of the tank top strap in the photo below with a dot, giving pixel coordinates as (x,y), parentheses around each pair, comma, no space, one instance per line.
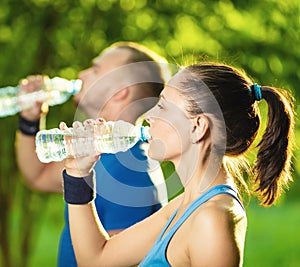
(167,225)
(157,255)
(216,190)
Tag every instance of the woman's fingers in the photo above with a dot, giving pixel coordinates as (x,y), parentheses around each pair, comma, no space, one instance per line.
(80,147)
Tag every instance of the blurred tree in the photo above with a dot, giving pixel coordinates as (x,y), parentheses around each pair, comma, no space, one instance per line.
(60,37)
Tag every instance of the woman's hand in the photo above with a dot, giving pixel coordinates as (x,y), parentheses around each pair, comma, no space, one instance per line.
(83,165)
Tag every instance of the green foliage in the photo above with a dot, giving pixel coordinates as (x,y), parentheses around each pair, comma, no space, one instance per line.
(60,37)
(273,237)
(172,179)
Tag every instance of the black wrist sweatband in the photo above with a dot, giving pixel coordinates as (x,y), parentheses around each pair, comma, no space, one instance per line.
(78,190)
(28,127)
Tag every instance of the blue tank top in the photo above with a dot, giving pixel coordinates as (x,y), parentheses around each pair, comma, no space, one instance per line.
(157,254)
(125,195)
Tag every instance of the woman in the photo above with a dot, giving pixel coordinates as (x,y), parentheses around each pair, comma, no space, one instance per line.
(207,115)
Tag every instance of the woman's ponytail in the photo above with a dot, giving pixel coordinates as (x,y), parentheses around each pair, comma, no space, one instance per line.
(273,162)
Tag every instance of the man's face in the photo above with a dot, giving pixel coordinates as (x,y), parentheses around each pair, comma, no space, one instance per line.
(99,82)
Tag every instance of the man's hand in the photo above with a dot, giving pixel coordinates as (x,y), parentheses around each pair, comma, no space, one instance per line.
(28,85)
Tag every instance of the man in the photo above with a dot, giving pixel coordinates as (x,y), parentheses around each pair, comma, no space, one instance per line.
(123,82)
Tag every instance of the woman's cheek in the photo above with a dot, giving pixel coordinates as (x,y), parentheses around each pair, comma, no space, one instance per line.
(165,149)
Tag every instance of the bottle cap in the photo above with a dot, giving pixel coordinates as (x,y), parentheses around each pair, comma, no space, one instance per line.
(77,84)
(145,135)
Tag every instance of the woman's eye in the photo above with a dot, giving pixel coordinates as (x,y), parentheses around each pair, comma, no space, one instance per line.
(159,106)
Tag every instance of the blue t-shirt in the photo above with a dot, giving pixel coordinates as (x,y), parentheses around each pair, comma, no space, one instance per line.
(125,195)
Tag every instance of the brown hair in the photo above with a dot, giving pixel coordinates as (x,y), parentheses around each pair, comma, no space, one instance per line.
(231,88)
(158,71)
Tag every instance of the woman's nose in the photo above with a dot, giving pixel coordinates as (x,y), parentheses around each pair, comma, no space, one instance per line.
(148,116)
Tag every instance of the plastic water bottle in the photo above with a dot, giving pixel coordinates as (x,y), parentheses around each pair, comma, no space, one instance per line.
(55,91)
(109,137)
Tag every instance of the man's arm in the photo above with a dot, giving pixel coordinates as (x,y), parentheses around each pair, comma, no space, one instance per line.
(39,176)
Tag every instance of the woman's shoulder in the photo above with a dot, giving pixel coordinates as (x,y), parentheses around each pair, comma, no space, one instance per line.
(222,221)
(218,227)
(171,207)
(221,208)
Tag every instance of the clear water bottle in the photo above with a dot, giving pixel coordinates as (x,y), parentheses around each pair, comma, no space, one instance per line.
(109,137)
(55,91)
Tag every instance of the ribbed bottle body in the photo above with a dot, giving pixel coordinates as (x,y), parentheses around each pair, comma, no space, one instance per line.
(55,91)
(110,137)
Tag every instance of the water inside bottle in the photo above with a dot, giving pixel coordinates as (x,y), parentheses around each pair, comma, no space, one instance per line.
(55,91)
(109,144)
(50,147)
(56,145)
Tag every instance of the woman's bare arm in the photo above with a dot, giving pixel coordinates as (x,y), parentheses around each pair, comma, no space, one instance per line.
(93,247)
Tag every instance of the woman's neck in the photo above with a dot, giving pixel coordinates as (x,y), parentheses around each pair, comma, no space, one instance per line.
(198,174)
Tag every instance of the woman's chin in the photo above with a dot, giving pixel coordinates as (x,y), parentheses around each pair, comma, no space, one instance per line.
(157,150)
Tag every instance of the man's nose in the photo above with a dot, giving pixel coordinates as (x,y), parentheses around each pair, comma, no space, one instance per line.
(82,74)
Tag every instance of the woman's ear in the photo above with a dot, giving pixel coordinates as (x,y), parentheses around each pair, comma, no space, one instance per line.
(200,128)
